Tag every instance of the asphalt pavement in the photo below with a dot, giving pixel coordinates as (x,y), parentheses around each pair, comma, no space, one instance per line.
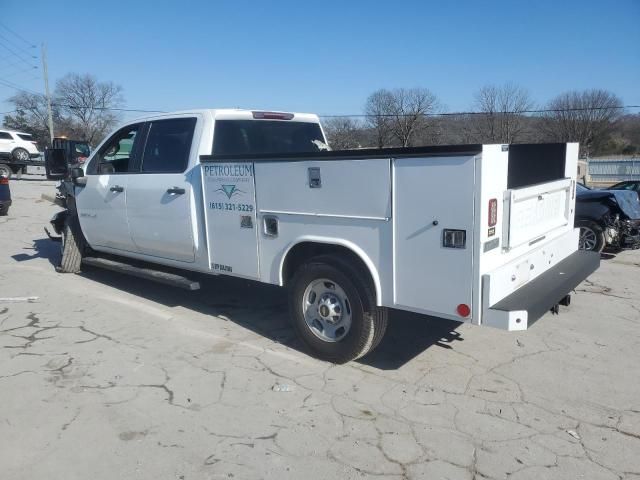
(103,376)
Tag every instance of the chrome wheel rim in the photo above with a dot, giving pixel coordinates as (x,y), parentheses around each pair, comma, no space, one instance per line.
(22,155)
(588,239)
(327,310)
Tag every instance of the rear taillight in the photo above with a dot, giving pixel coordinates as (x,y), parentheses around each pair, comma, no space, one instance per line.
(4,181)
(272,116)
(493,212)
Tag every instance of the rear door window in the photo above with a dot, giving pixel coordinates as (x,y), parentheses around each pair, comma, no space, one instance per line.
(26,137)
(168,145)
(237,137)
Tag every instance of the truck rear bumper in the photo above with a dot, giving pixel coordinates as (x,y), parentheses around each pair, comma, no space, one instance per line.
(524,306)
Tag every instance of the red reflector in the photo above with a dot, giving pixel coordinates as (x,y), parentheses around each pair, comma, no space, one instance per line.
(272,115)
(463,310)
(4,180)
(493,212)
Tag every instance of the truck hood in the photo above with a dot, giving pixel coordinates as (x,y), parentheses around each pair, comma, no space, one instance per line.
(628,201)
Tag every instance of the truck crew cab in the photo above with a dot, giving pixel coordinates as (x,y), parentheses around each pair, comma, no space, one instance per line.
(474,233)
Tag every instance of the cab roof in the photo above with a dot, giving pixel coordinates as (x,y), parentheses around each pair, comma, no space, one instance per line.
(239,114)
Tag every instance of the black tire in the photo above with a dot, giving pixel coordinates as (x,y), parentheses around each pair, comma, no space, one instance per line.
(72,247)
(4,210)
(20,155)
(5,170)
(367,321)
(591,236)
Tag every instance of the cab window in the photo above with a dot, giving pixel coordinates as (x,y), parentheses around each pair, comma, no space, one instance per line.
(117,155)
(168,145)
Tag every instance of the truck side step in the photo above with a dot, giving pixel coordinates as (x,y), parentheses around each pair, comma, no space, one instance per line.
(158,276)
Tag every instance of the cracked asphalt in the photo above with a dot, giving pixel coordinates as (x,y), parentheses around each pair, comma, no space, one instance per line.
(103,376)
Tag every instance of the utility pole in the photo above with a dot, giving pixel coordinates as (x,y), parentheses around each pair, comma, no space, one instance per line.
(46,88)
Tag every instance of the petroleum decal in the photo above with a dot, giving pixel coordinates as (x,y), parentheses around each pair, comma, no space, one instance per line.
(229,191)
(229,170)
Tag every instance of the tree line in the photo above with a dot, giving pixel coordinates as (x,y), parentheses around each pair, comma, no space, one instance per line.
(501,114)
(87,109)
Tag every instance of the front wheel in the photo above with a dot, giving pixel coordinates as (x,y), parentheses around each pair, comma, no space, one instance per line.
(72,246)
(334,311)
(591,237)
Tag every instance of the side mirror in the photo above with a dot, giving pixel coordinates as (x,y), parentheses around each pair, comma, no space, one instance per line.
(77,173)
(77,176)
(55,164)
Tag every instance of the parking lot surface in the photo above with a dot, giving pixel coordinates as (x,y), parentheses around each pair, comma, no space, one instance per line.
(104,376)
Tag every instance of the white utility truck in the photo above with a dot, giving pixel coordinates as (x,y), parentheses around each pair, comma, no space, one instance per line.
(474,233)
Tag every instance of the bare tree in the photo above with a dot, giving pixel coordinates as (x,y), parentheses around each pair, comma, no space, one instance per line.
(409,110)
(88,103)
(586,117)
(502,119)
(399,115)
(30,116)
(377,109)
(343,133)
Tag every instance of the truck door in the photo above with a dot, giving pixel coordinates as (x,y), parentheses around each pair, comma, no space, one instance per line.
(159,196)
(433,215)
(232,233)
(101,203)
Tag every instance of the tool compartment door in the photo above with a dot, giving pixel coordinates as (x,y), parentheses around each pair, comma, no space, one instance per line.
(230,217)
(429,196)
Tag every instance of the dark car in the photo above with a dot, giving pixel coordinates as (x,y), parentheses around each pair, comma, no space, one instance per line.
(607,218)
(633,185)
(5,195)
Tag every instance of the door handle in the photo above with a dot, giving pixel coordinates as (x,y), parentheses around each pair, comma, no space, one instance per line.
(175,191)
(117,188)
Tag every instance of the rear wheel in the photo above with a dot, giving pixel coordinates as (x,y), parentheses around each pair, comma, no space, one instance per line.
(72,246)
(591,236)
(20,155)
(4,210)
(334,311)
(5,170)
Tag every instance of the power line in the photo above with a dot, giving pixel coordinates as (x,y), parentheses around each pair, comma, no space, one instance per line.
(21,71)
(28,62)
(9,84)
(17,35)
(15,45)
(347,116)
(449,114)
(107,108)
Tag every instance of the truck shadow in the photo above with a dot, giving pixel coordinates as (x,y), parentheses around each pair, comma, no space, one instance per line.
(42,248)
(262,309)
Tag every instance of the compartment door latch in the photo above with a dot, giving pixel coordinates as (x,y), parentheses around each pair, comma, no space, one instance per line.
(315,181)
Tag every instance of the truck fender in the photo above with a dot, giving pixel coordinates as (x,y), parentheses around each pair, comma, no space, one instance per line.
(355,249)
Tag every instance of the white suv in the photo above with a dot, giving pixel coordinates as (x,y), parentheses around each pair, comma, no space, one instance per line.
(18,145)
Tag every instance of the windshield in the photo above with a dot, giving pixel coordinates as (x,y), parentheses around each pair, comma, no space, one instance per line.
(581,188)
(237,137)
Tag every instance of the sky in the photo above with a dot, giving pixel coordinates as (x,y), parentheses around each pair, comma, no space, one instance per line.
(325,56)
